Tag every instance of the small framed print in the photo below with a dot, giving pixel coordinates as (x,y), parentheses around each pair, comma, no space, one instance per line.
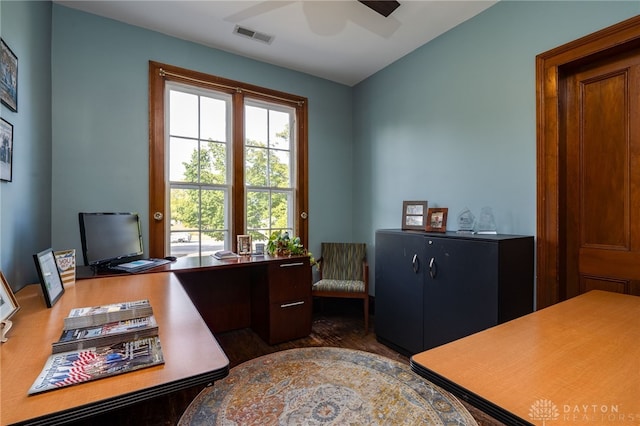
(49,275)
(437,220)
(8,77)
(6,150)
(8,307)
(8,302)
(414,214)
(244,245)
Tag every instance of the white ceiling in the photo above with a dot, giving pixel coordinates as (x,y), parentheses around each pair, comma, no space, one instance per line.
(340,40)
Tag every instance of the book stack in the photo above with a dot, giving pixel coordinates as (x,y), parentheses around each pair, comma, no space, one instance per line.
(102,341)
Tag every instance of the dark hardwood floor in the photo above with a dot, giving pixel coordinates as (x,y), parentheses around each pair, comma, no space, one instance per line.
(336,323)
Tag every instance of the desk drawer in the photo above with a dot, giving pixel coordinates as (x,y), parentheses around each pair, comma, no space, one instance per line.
(290,281)
(290,320)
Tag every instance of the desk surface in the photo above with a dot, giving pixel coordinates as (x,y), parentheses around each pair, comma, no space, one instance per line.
(581,357)
(192,354)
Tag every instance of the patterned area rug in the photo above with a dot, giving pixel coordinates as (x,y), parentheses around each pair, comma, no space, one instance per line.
(324,386)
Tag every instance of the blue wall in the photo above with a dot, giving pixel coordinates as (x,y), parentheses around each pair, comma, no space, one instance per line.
(25,203)
(454,122)
(100,122)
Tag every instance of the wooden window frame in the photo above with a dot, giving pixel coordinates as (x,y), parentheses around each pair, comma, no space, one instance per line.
(159,74)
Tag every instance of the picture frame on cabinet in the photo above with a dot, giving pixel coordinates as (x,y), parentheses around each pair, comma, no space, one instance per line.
(414,214)
(437,220)
(8,77)
(6,150)
(49,275)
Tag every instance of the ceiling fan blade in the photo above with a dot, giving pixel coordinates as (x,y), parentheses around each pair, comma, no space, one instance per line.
(383,7)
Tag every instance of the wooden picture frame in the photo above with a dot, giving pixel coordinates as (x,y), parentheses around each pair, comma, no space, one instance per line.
(8,307)
(244,245)
(8,77)
(414,214)
(8,303)
(49,275)
(437,220)
(6,150)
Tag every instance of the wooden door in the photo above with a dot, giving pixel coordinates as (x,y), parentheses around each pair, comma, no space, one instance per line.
(588,214)
(603,176)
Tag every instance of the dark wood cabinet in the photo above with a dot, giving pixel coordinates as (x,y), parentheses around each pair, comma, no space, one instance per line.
(433,288)
(282,306)
(272,295)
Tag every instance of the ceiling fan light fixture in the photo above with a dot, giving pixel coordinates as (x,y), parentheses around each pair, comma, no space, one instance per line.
(255,35)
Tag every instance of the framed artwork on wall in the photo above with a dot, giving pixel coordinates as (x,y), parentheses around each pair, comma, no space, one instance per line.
(6,150)
(8,77)
(49,275)
(437,220)
(414,214)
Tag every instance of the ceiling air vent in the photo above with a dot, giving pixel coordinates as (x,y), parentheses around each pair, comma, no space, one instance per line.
(246,32)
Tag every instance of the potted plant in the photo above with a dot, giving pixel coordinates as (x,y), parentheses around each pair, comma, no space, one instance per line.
(281,244)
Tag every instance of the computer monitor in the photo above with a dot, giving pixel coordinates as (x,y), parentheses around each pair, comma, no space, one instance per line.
(110,238)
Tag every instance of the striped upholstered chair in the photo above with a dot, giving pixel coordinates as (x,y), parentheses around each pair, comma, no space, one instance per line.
(344,272)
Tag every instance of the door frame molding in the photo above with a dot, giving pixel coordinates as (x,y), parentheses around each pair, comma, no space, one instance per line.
(551,241)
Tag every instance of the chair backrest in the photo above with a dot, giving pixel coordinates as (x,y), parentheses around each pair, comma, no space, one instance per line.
(343,261)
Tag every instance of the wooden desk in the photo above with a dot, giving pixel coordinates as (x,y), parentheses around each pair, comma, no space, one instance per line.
(581,356)
(270,294)
(192,355)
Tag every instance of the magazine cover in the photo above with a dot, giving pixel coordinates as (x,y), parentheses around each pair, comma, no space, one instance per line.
(73,367)
(107,334)
(98,315)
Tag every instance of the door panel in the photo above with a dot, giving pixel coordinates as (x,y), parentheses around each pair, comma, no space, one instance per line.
(603,176)
(399,289)
(461,289)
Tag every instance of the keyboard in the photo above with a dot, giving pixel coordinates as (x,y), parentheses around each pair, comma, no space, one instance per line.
(139,265)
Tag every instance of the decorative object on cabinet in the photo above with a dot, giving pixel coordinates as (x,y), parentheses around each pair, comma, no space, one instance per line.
(413,214)
(466,221)
(49,275)
(344,273)
(8,307)
(6,150)
(486,222)
(8,77)
(244,245)
(433,289)
(437,220)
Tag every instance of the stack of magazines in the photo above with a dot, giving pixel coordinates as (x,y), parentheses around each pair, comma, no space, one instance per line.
(102,341)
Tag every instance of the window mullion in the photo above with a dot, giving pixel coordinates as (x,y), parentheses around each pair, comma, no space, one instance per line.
(237,225)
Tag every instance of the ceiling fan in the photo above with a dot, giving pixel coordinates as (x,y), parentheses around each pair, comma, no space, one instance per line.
(384,8)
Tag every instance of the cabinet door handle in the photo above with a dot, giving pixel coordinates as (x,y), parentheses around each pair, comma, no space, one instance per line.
(286,265)
(415,263)
(433,268)
(288,305)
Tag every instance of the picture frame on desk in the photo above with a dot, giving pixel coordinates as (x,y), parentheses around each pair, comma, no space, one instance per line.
(8,307)
(413,214)
(244,245)
(437,220)
(49,275)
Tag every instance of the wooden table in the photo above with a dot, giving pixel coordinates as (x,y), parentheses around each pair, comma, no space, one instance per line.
(577,362)
(192,354)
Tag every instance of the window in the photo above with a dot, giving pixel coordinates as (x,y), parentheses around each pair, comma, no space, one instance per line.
(226,158)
